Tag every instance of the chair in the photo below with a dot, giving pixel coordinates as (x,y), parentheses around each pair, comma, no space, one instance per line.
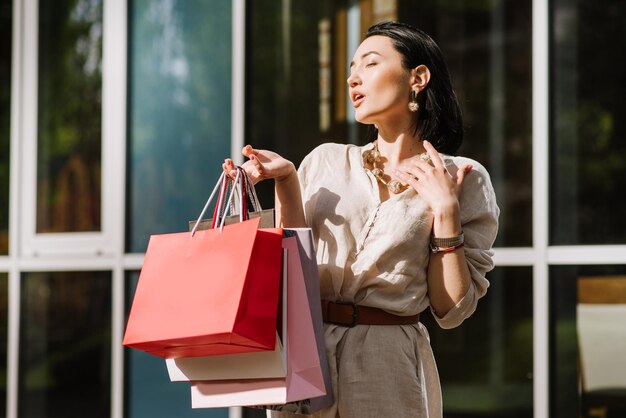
(601,328)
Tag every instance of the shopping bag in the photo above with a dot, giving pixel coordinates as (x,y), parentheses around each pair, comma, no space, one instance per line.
(257,365)
(304,373)
(208,292)
(306,249)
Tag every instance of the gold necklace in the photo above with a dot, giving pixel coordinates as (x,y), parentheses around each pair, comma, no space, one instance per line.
(372,158)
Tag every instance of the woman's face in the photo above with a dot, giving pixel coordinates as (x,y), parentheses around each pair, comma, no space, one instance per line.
(379,86)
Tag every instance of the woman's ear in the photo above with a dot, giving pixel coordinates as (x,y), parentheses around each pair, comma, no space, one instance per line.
(420,76)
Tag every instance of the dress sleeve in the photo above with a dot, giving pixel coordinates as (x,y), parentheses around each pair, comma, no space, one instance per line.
(479,220)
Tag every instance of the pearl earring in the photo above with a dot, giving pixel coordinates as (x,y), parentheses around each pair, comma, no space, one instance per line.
(413,105)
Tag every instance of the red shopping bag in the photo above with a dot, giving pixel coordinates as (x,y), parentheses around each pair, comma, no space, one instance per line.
(209,292)
(213,292)
(259,364)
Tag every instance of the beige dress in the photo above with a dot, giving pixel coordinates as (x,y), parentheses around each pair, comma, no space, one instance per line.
(376,254)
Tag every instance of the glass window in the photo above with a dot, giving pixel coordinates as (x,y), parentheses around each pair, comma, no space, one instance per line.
(296,85)
(149,391)
(4,340)
(179,112)
(254,413)
(296,78)
(588,367)
(486,364)
(487,46)
(69,116)
(65,345)
(6,37)
(588,151)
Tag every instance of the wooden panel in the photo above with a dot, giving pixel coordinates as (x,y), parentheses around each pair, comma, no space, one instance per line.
(341,64)
(367,19)
(602,289)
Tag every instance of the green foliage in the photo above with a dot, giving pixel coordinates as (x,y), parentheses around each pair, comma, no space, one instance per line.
(179,111)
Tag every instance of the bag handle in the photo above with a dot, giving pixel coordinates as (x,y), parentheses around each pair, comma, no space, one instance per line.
(219,205)
(220,208)
(228,202)
(243,194)
(244,187)
(220,212)
(230,199)
(208,202)
(244,191)
(256,204)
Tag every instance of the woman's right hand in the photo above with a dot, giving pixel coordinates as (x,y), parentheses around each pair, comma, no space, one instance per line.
(261,165)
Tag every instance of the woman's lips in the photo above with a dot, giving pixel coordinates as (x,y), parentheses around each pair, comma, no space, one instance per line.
(357,100)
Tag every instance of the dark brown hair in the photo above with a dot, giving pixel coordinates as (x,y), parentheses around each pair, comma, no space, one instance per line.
(439,118)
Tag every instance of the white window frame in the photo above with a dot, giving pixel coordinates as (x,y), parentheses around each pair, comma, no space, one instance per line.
(104,250)
(103,243)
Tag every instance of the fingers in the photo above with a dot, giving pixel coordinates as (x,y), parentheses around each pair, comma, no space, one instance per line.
(229,168)
(432,152)
(417,167)
(429,163)
(461,173)
(406,178)
(258,170)
(255,164)
(247,151)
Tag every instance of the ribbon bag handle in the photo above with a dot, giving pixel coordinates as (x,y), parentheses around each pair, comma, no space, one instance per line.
(219,205)
(208,202)
(242,187)
(256,204)
(244,191)
(230,200)
(222,216)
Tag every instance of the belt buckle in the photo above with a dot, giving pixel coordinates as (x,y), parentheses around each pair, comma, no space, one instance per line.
(355,315)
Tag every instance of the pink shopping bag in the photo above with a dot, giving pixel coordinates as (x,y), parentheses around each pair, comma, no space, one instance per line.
(308,260)
(304,378)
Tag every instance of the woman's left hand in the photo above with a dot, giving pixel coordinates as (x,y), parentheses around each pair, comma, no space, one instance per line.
(433,182)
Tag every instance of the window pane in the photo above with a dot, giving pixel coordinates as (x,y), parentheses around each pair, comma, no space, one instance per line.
(149,391)
(296,71)
(4,340)
(487,46)
(69,116)
(6,37)
(179,107)
(589,123)
(486,364)
(587,327)
(65,345)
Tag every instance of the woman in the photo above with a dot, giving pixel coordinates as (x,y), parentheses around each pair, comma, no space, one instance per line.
(400,226)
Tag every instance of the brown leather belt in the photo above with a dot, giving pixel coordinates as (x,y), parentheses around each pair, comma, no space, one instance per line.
(349,315)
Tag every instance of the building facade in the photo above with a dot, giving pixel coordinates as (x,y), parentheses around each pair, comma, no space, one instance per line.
(115,116)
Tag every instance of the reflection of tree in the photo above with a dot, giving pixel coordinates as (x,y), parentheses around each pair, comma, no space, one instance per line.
(590,124)
(73,208)
(179,111)
(283,79)
(65,356)
(69,124)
